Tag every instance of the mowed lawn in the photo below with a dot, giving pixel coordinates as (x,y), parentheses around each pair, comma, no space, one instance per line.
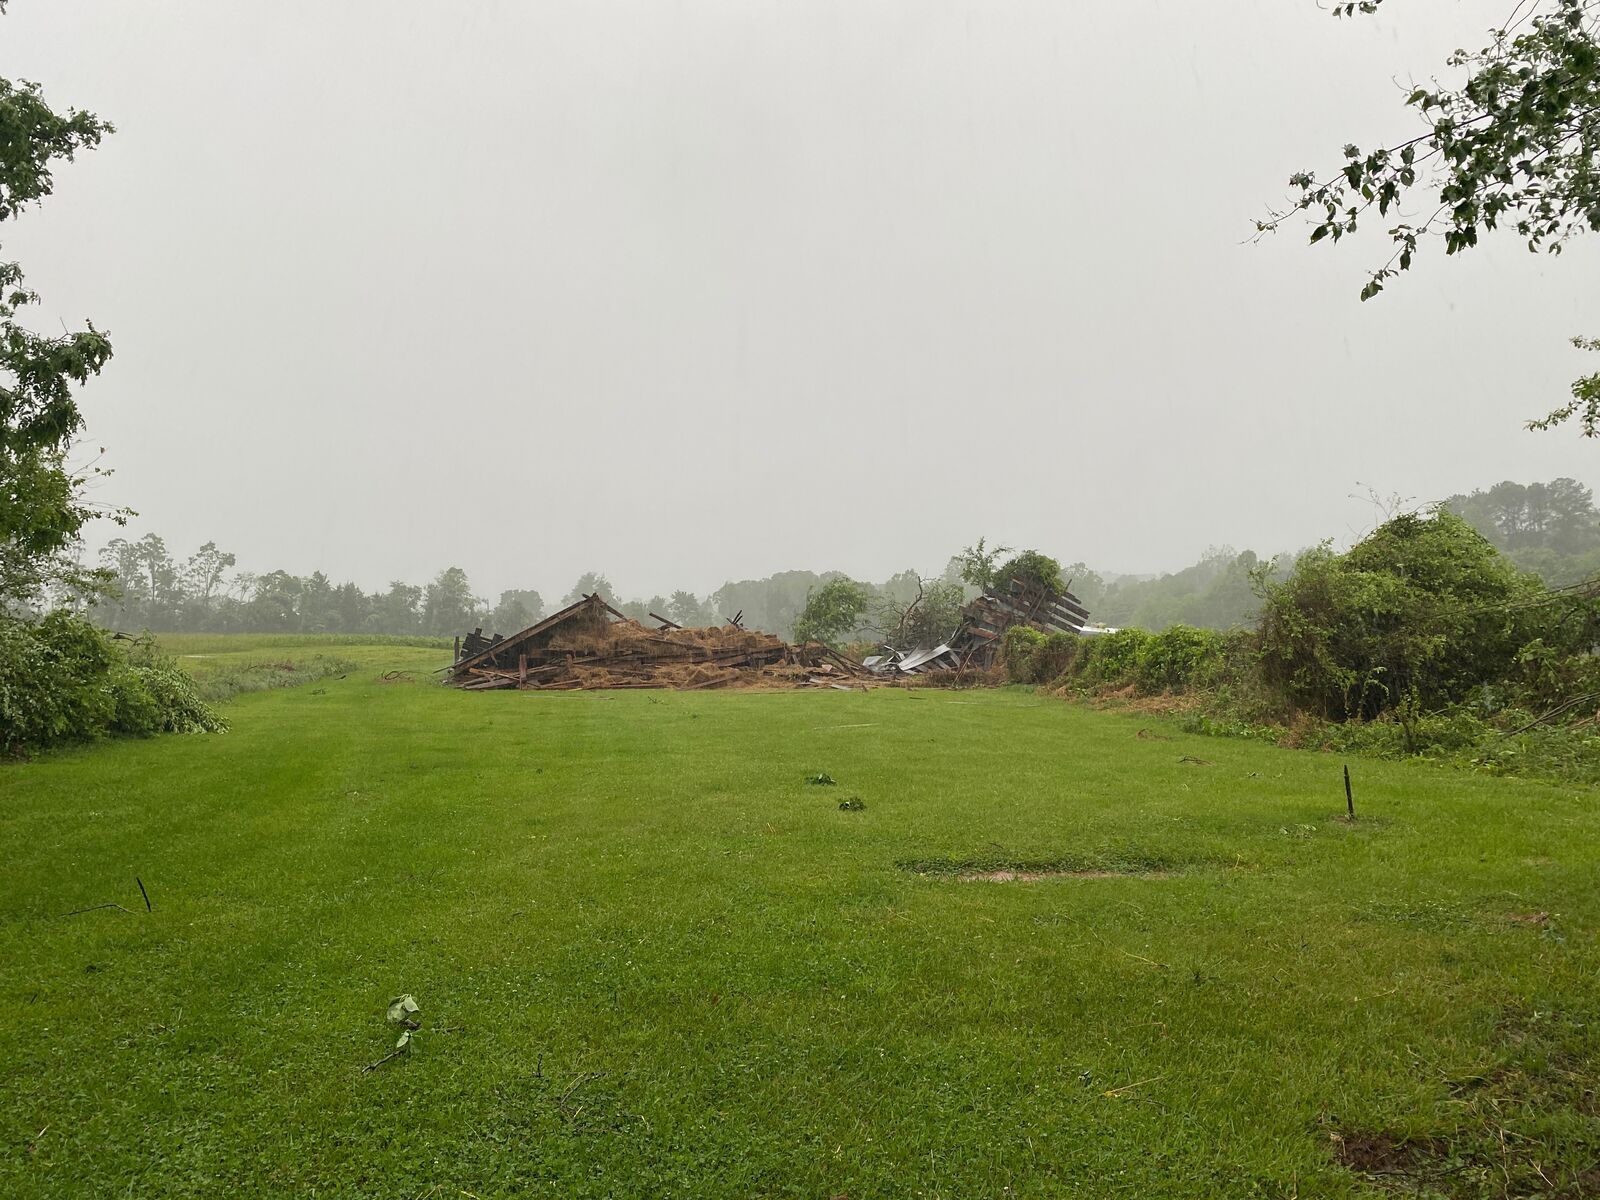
(653,960)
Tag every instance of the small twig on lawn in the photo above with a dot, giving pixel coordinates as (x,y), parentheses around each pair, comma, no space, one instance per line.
(96,908)
(392,1054)
(1140,957)
(143,893)
(583,1077)
(1129,1086)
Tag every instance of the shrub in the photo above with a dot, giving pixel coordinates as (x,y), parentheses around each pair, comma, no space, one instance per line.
(1423,606)
(62,680)
(1017,650)
(1112,658)
(1054,657)
(1179,659)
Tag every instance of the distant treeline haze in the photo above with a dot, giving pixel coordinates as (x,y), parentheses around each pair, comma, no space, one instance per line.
(1552,529)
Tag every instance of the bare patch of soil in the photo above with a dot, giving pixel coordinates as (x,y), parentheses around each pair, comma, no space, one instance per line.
(1385,1154)
(1006,876)
(1528,920)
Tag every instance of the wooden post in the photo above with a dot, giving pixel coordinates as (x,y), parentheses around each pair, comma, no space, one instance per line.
(522,670)
(458,649)
(1349,799)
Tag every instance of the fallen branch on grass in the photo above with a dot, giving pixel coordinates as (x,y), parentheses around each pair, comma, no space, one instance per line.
(97,907)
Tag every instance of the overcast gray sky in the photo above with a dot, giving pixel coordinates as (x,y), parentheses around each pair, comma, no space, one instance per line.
(689,290)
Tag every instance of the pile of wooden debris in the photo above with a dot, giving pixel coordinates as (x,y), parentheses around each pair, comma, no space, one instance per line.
(591,645)
(976,643)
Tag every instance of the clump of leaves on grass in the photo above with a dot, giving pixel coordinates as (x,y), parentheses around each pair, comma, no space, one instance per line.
(403,1011)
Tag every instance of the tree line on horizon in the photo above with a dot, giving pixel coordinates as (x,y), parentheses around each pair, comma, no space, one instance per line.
(1551,529)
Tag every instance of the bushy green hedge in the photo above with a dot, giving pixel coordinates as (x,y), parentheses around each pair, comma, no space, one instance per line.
(1179,659)
(1111,658)
(62,680)
(1030,656)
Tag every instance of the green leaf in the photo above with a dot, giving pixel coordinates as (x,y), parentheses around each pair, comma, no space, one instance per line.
(402,1007)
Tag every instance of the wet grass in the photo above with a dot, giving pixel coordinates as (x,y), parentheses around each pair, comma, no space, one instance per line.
(653,960)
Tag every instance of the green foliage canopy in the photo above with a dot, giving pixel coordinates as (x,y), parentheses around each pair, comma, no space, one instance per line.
(1031,566)
(1515,143)
(41,505)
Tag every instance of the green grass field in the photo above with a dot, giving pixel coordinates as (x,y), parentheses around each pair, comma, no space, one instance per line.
(652,960)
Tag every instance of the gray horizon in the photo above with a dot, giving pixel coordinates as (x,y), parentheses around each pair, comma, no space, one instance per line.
(700,292)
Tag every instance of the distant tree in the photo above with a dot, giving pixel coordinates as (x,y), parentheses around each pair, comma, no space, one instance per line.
(832,610)
(203,573)
(773,604)
(588,584)
(127,600)
(640,610)
(1560,515)
(518,609)
(274,605)
(448,605)
(160,586)
(1514,144)
(42,507)
(687,609)
(398,611)
(352,609)
(979,564)
(1086,584)
(319,606)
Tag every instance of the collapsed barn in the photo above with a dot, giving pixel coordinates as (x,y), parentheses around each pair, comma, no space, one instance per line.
(589,644)
(976,643)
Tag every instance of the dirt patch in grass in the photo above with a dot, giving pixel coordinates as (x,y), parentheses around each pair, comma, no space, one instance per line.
(1126,699)
(1006,875)
(1386,1154)
(1531,920)
(1002,868)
